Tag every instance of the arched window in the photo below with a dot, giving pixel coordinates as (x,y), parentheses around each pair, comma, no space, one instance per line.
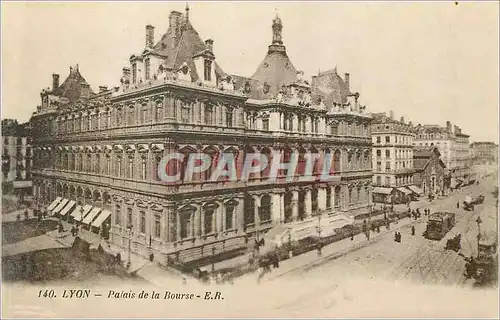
(336,197)
(265,208)
(159,111)
(249,210)
(336,161)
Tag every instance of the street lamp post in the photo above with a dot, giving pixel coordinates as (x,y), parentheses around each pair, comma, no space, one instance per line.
(318,228)
(478,221)
(129,229)
(213,261)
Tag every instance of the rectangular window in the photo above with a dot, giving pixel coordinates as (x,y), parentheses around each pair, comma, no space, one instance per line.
(379,153)
(108,165)
(157,226)
(208,115)
(265,124)
(229,217)
(208,70)
(129,217)
(143,222)
(387,139)
(131,168)
(185,115)
(387,166)
(379,166)
(143,169)
(387,153)
(134,72)
(229,118)
(378,139)
(118,215)
(147,64)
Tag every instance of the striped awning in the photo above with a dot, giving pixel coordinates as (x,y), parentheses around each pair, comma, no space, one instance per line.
(81,214)
(404,190)
(70,205)
(415,189)
(60,206)
(101,218)
(90,217)
(382,190)
(54,203)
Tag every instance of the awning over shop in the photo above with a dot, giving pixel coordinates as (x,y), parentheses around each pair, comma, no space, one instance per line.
(60,206)
(404,190)
(382,190)
(80,214)
(76,212)
(93,213)
(54,203)
(101,218)
(415,189)
(70,205)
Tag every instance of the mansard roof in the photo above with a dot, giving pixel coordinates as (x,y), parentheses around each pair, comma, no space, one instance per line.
(74,87)
(331,87)
(182,47)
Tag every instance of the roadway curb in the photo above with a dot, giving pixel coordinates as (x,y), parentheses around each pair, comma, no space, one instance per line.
(341,253)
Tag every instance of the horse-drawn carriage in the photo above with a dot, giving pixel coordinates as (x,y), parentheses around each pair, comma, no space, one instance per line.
(484,268)
(454,243)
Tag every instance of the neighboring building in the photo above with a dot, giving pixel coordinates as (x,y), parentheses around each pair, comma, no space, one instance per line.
(103,150)
(484,153)
(429,170)
(392,156)
(453,146)
(16,158)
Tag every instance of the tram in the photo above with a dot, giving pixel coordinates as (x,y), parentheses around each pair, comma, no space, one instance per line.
(439,224)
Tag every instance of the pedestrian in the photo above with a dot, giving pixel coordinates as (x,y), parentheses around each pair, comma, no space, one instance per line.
(458,204)
(395,236)
(399,236)
(412,230)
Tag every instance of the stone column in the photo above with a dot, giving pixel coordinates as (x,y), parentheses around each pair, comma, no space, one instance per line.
(256,213)
(282,207)
(308,204)
(321,199)
(239,221)
(276,208)
(295,205)
(170,223)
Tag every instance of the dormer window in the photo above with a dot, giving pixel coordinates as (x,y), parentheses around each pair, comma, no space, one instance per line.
(147,64)
(208,70)
(134,72)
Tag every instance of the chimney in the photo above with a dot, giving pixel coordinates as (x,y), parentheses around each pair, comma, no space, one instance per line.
(126,73)
(210,44)
(103,89)
(55,81)
(150,36)
(448,127)
(391,115)
(175,24)
(403,119)
(85,93)
(410,124)
(455,129)
(347,80)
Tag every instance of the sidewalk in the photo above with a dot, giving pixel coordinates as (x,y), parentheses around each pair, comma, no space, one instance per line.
(150,271)
(342,247)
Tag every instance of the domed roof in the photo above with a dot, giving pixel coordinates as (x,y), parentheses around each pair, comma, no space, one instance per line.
(330,87)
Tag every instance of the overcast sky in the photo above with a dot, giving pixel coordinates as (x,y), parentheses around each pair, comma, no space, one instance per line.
(428,62)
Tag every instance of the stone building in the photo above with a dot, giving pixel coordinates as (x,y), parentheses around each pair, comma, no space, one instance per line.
(392,156)
(429,170)
(453,145)
(484,153)
(100,153)
(16,158)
